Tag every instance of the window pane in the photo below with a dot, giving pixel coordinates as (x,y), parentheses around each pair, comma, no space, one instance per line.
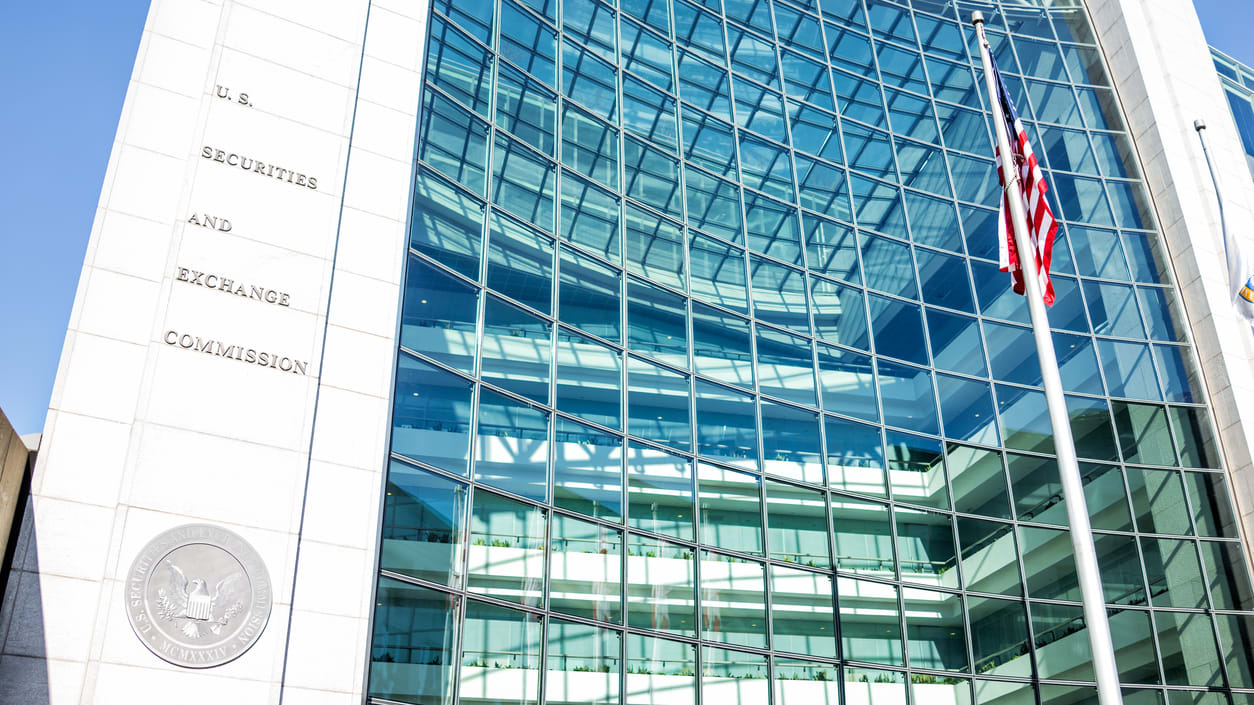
(967,409)
(521,264)
(779,294)
(731,509)
(506,553)
(656,323)
(447,225)
(438,318)
(589,295)
(907,397)
(661,587)
(804,682)
(803,620)
(999,637)
(589,379)
(659,492)
(956,343)
(797,519)
(1229,576)
(512,446)
(1212,505)
(657,404)
(516,350)
(732,676)
(424,520)
(1187,641)
(847,381)
(925,546)
(588,471)
(726,428)
(583,664)
(898,328)
(499,643)
(674,661)
(863,535)
(654,248)
(839,316)
(718,273)
(989,559)
(1158,501)
(431,415)
(413,647)
(523,183)
(979,483)
(935,627)
(790,442)
(855,456)
(916,470)
(733,600)
(1175,576)
(586,566)
(590,217)
(785,366)
(870,626)
(721,346)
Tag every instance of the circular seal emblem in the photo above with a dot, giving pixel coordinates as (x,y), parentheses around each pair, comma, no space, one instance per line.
(198,595)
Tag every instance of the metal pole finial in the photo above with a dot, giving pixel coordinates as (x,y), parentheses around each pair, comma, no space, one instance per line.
(977,17)
(1199,124)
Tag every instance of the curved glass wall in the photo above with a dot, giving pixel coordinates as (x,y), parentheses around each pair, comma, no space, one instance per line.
(709,389)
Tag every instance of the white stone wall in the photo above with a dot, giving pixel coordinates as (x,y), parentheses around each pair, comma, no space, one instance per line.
(1162,70)
(144,435)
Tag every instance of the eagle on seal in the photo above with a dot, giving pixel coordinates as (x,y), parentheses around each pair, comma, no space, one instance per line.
(190,604)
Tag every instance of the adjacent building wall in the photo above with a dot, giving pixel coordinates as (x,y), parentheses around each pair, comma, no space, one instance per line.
(1161,66)
(146,433)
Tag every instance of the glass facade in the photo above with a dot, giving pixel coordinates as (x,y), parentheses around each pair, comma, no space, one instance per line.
(710,391)
(1238,82)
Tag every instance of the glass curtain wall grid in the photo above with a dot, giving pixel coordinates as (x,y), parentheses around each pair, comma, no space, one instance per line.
(1238,82)
(709,390)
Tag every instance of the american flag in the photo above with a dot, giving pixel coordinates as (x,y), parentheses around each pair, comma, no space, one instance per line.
(1041,224)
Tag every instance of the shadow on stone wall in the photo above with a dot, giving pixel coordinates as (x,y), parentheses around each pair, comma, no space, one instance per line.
(23,670)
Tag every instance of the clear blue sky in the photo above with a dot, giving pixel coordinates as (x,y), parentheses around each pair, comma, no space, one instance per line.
(65,65)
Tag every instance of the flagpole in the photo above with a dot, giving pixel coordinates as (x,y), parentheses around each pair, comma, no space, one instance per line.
(1091,594)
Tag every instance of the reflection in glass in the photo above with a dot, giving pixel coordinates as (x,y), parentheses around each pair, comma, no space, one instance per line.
(583,664)
(512,446)
(797,519)
(589,379)
(935,628)
(870,621)
(516,350)
(659,492)
(413,647)
(500,655)
(855,456)
(424,520)
(863,537)
(733,600)
(661,586)
(431,415)
(588,471)
(805,683)
(790,442)
(731,509)
(999,637)
(659,671)
(585,569)
(726,429)
(729,676)
(916,470)
(802,617)
(438,318)
(1187,643)
(925,547)
(505,558)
